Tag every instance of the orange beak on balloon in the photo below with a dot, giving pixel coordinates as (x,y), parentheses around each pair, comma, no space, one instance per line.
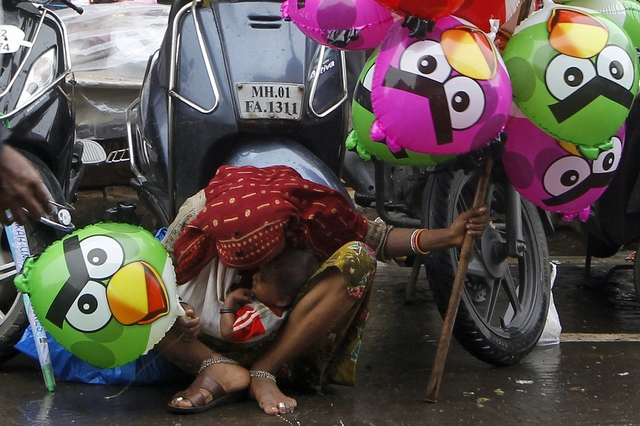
(137,294)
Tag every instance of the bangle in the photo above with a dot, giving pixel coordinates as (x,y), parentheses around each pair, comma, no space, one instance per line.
(228,311)
(414,242)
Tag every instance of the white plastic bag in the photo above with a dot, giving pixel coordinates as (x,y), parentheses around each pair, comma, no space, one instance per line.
(553,328)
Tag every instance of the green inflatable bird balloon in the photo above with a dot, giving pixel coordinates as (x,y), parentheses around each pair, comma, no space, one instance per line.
(106,292)
(574,73)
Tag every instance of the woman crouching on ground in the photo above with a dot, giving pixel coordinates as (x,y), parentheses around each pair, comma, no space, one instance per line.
(243,219)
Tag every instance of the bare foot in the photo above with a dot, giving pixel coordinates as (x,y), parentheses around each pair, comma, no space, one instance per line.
(232,378)
(269,397)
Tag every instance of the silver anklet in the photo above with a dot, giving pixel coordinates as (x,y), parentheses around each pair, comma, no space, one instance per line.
(215,360)
(262,374)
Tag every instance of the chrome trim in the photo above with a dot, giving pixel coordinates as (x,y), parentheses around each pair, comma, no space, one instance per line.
(118,156)
(207,64)
(171,174)
(11,271)
(132,151)
(314,85)
(130,133)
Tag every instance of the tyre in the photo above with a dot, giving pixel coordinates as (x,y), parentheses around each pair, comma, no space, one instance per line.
(13,318)
(636,275)
(505,300)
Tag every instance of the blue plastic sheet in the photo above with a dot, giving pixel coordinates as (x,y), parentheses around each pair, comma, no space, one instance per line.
(150,369)
(161,233)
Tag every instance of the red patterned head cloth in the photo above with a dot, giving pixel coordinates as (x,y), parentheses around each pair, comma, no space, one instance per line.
(251,213)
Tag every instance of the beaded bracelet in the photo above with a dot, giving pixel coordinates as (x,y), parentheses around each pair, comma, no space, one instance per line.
(228,311)
(415,235)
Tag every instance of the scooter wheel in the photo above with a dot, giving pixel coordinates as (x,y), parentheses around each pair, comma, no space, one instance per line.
(13,318)
(636,275)
(505,299)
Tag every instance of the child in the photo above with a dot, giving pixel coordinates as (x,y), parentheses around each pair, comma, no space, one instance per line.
(248,315)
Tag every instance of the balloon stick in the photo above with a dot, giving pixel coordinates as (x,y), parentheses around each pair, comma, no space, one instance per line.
(456,292)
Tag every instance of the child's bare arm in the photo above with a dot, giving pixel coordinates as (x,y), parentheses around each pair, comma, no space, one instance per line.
(232,303)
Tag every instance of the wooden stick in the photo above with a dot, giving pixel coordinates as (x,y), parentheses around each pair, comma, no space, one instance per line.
(456,292)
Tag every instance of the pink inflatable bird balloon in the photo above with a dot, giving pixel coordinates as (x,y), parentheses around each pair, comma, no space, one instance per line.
(554,175)
(447,94)
(340,24)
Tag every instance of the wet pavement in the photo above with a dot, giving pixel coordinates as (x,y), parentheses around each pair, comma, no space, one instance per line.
(591,378)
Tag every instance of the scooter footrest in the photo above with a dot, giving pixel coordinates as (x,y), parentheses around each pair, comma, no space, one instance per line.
(93,152)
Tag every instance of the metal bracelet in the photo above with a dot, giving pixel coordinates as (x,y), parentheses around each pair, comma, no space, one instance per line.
(413,240)
(215,360)
(262,374)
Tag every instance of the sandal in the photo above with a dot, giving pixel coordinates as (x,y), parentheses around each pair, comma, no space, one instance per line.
(200,402)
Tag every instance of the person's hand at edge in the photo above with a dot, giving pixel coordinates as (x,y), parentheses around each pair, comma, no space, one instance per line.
(21,187)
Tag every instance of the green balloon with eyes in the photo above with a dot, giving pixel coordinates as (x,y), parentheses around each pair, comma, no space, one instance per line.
(106,292)
(632,20)
(363,117)
(574,73)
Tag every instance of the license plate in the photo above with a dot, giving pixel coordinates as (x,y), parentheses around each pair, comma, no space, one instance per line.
(11,38)
(279,101)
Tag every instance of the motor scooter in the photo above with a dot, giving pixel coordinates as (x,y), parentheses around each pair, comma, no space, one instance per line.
(36,109)
(506,293)
(232,83)
(109,45)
